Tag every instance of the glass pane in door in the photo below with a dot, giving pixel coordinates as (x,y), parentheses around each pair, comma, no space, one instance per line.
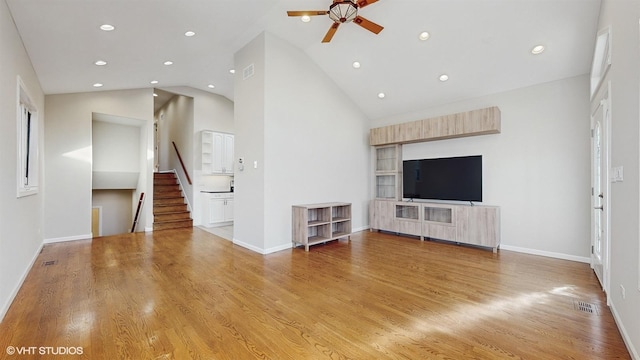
(597,190)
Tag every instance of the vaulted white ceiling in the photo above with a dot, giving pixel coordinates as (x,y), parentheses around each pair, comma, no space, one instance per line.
(484,46)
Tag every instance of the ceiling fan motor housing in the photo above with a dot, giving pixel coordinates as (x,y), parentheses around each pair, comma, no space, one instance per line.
(343,11)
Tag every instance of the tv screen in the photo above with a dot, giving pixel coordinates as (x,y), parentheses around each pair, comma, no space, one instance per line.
(454,178)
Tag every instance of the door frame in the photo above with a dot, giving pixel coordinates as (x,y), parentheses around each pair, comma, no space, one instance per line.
(99,220)
(604,103)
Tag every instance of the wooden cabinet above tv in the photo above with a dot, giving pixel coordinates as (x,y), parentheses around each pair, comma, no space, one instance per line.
(470,123)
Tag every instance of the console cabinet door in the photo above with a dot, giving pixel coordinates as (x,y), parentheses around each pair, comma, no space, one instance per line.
(479,226)
(442,232)
(383,215)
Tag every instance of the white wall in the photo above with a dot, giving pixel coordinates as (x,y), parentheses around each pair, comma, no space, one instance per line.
(537,169)
(249,108)
(115,147)
(117,151)
(624,75)
(315,142)
(68,156)
(21,224)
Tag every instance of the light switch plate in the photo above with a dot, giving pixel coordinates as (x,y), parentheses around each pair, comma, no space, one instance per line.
(617,174)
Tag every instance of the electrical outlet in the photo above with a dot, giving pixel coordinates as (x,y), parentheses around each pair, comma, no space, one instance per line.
(623,292)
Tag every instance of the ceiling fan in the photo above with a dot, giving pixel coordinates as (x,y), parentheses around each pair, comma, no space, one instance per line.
(342,11)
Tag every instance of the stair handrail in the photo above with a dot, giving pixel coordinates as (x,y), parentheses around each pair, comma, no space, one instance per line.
(184,169)
(135,219)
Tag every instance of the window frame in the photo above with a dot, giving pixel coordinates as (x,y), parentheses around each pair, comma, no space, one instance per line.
(27,155)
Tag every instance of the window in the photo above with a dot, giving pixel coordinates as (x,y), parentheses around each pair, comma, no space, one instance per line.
(27,154)
(601,59)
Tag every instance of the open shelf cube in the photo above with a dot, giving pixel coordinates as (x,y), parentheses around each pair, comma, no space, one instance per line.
(319,223)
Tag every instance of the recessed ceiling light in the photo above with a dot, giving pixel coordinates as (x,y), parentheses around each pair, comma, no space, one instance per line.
(424,36)
(107,27)
(100,63)
(98,85)
(168,62)
(189,33)
(305,18)
(444,77)
(381,95)
(233,71)
(356,65)
(153,81)
(538,49)
(211,86)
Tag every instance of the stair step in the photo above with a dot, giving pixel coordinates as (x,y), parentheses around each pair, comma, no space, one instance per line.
(164,175)
(163,181)
(175,224)
(159,189)
(169,208)
(162,187)
(161,209)
(168,200)
(174,215)
(167,194)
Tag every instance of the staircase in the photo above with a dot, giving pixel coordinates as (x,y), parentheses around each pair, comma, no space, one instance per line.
(169,209)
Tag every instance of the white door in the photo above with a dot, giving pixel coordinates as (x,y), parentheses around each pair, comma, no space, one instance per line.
(228,154)
(218,153)
(600,192)
(228,210)
(216,210)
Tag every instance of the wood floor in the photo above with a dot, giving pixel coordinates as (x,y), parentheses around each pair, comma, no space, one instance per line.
(183,294)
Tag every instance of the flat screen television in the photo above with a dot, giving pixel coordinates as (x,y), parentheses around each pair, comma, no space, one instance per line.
(453,178)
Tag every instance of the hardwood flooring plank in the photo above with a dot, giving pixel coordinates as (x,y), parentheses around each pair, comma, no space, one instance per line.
(188,294)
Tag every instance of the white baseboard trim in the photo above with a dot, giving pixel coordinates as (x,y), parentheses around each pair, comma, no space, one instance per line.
(13,294)
(148,229)
(625,335)
(363,228)
(546,253)
(68,238)
(261,250)
(278,248)
(248,246)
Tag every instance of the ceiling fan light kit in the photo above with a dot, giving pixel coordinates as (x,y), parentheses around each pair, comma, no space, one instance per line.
(342,11)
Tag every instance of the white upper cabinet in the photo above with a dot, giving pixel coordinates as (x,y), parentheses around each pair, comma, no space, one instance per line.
(217,153)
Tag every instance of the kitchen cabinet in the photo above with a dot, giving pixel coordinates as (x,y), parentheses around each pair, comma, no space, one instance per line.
(217,153)
(218,209)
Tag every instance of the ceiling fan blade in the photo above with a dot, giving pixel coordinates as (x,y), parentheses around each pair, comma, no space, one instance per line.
(369,25)
(307,12)
(331,32)
(363,3)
